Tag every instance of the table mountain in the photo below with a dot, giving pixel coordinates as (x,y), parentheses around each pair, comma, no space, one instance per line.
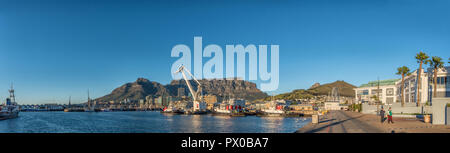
(135,91)
(220,87)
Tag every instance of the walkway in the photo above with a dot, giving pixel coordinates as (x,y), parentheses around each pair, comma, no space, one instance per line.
(353,122)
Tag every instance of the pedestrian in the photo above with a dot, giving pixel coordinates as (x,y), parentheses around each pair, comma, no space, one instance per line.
(390,116)
(382,114)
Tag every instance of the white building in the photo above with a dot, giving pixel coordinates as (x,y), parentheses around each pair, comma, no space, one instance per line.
(385,89)
(390,90)
(411,90)
(411,87)
(443,83)
(332,105)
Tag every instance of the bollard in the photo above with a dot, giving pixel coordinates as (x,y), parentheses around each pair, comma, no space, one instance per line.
(315,119)
(427,118)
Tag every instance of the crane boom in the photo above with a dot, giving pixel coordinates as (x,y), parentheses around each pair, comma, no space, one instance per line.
(195,94)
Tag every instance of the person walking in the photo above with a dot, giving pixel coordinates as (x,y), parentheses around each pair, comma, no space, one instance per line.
(390,116)
(382,114)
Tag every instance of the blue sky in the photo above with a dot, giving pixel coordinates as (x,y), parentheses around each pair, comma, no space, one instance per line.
(53,49)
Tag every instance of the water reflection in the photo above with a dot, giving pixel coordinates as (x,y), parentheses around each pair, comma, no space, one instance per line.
(272,123)
(223,123)
(143,122)
(196,123)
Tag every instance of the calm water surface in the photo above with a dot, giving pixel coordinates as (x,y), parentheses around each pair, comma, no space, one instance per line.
(145,122)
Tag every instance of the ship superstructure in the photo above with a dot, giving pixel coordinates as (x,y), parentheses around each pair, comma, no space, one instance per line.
(10,109)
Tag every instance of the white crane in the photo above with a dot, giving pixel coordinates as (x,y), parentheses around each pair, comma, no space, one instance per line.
(198,103)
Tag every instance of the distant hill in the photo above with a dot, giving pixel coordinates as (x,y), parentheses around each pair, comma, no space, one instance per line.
(345,89)
(219,87)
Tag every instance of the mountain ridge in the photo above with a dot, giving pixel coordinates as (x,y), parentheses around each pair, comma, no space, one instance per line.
(142,87)
(345,90)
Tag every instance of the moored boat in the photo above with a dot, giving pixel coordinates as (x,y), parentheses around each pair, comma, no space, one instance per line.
(10,109)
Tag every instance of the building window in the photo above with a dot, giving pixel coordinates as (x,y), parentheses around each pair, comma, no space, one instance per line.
(365,92)
(390,92)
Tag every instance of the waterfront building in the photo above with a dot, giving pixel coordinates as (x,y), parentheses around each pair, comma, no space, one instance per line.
(410,88)
(332,105)
(385,89)
(390,90)
(301,107)
(210,101)
(181,92)
(236,102)
(284,102)
(258,106)
(443,83)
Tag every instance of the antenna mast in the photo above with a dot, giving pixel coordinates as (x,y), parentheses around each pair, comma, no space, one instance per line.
(11,94)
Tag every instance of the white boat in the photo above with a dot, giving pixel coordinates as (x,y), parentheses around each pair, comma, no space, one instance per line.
(222,111)
(172,109)
(9,111)
(274,109)
(105,110)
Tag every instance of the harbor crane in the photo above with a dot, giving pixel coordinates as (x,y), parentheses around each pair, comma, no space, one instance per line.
(198,104)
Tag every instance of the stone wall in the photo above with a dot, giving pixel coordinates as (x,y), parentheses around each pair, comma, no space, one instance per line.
(409,108)
(440,111)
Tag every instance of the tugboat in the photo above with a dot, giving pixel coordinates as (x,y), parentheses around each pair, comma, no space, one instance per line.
(10,109)
(232,107)
(172,109)
(273,110)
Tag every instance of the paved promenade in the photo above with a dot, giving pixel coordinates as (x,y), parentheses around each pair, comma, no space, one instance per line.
(352,122)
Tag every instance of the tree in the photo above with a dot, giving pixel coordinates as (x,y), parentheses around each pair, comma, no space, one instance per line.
(403,71)
(421,59)
(435,63)
(375,98)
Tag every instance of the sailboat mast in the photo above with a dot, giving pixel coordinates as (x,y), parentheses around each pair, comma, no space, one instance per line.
(89,100)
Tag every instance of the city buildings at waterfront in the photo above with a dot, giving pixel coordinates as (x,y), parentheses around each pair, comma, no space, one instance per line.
(390,90)
(385,89)
(410,88)
(443,82)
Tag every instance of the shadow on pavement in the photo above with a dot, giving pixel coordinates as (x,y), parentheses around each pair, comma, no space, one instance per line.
(332,124)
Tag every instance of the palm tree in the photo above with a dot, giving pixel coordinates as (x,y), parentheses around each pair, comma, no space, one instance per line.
(403,71)
(421,58)
(435,63)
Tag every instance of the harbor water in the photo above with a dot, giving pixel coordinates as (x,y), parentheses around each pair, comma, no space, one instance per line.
(146,122)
